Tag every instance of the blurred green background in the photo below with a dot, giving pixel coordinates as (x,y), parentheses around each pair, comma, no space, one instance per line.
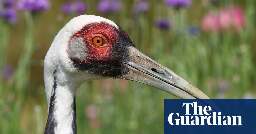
(210,43)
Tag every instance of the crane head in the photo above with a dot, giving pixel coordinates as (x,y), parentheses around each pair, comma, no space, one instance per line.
(92,47)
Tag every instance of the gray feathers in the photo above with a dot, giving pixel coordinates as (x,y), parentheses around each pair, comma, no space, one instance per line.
(77,49)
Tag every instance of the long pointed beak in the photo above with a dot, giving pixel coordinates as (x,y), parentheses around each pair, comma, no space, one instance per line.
(145,70)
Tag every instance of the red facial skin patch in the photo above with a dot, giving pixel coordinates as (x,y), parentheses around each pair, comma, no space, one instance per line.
(105,31)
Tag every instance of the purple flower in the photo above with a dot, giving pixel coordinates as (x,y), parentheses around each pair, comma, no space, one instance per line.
(33,5)
(9,15)
(77,7)
(7,72)
(141,6)
(7,11)
(163,24)
(178,3)
(194,30)
(109,6)
(8,3)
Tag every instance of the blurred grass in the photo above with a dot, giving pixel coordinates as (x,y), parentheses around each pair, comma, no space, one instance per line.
(211,61)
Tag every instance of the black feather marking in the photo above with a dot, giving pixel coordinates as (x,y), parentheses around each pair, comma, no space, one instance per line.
(51,123)
(74,116)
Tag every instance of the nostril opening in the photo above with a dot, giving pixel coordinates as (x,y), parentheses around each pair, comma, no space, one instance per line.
(157,71)
(154,70)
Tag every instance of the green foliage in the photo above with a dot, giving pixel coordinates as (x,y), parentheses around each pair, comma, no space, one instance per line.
(221,64)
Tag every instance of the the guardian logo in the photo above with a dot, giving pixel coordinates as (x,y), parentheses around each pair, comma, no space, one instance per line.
(197,115)
(212,116)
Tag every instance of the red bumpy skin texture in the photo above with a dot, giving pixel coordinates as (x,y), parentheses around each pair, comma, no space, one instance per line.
(99,39)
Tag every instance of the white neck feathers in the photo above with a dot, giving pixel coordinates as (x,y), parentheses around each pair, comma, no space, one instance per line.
(59,81)
(64,110)
(61,106)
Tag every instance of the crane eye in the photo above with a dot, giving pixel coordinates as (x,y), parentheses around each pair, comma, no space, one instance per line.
(99,41)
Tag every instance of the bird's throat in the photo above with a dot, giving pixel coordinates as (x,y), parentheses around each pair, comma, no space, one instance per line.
(61,109)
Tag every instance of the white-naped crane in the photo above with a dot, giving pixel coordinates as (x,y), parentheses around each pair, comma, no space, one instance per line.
(92,47)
